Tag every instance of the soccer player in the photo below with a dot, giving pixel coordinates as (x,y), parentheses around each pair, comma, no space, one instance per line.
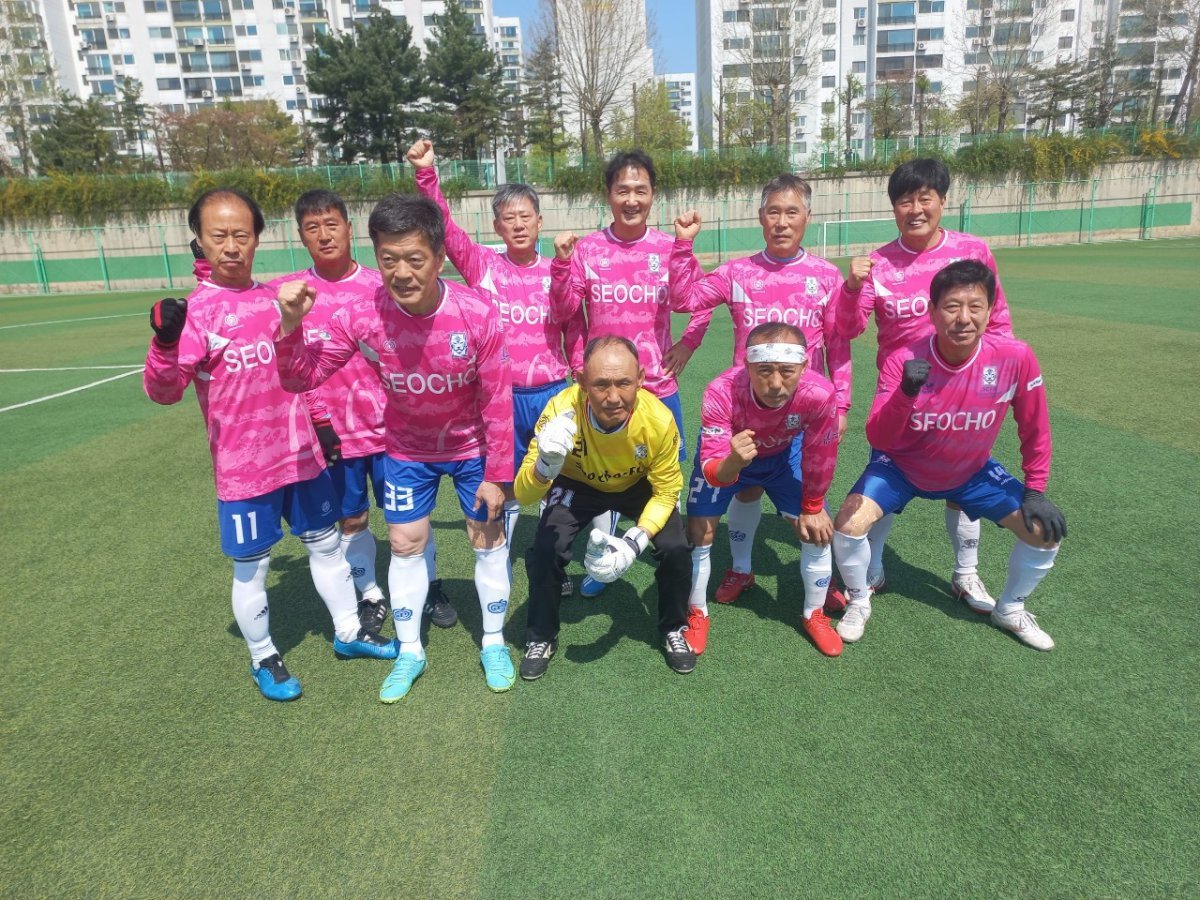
(518,280)
(355,400)
(781,283)
(750,416)
(618,277)
(937,414)
(267,455)
(894,283)
(605,444)
(439,350)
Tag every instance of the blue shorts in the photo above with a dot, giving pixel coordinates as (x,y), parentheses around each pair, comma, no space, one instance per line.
(991,493)
(773,473)
(528,404)
(672,403)
(248,527)
(350,479)
(410,488)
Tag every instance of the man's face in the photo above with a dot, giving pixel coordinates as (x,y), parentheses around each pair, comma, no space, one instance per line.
(326,236)
(611,379)
(961,317)
(409,268)
(631,197)
(918,214)
(775,382)
(228,240)
(518,225)
(784,220)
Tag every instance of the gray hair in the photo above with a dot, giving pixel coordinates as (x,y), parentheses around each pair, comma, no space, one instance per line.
(787,182)
(514,193)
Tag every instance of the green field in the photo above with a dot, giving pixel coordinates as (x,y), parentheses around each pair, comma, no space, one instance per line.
(938,757)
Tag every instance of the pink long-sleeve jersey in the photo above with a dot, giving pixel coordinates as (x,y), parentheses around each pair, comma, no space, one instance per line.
(898,292)
(730,407)
(261,436)
(446,376)
(760,289)
(532,333)
(353,395)
(944,435)
(623,288)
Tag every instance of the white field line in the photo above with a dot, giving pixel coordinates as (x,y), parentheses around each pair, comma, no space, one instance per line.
(69,321)
(76,390)
(73,369)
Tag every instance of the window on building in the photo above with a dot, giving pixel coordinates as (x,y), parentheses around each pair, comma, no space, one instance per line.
(931,6)
(160,33)
(827,107)
(289,79)
(828,55)
(829,28)
(739,43)
(1066,42)
(828,81)
(168,84)
(930,34)
(737,15)
(165,59)
(740,70)
(153,6)
(859,39)
(860,12)
(252,81)
(1068,15)
(858,67)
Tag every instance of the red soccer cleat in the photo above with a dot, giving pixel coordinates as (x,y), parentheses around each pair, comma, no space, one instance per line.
(823,636)
(733,584)
(696,634)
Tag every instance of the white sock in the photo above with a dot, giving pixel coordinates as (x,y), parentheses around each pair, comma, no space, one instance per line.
(743,524)
(1027,566)
(964,537)
(430,556)
(359,549)
(607,522)
(853,557)
(701,571)
(331,575)
(877,537)
(491,583)
(250,608)
(408,583)
(816,568)
(512,510)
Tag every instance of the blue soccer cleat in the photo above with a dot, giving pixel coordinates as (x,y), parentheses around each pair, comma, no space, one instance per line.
(368,645)
(408,668)
(497,668)
(590,587)
(273,679)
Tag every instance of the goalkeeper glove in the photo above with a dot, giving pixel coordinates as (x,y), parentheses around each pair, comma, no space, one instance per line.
(331,444)
(167,318)
(916,373)
(608,558)
(1036,506)
(555,441)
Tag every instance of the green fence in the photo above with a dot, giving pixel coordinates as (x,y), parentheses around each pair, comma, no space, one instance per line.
(156,256)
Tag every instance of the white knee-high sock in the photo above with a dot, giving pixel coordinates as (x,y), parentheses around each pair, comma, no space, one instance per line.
(359,549)
(816,568)
(701,571)
(430,556)
(743,525)
(512,510)
(250,608)
(331,575)
(492,586)
(853,555)
(408,583)
(877,537)
(1027,566)
(607,522)
(964,537)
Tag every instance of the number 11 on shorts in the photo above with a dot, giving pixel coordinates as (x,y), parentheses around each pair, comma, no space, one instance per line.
(252,520)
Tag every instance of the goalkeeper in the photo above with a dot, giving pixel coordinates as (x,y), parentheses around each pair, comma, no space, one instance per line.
(605,444)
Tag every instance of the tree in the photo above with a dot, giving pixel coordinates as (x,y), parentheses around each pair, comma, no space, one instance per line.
(131,114)
(651,124)
(542,100)
(76,139)
(888,111)
(921,86)
(466,85)
(1099,84)
(372,79)
(227,135)
(1053,93)
(1185,100)
(852,90)
(28,88)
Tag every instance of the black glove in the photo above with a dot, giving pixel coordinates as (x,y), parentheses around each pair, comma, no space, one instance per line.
(167,318)
(197,253)
(1036,506)
(331,444)
(916,373)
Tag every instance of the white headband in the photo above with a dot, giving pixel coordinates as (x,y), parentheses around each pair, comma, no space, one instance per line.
(776,353)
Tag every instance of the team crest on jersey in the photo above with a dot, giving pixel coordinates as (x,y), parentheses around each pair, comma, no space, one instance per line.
(231,320)
(605,263)
(324,335)
(640,451)
(989,376)
(326,508)
(759,284)
(897,276)
(811,286)
(793,420)
(458,345)
(389,346)
(546,283)
(655,262)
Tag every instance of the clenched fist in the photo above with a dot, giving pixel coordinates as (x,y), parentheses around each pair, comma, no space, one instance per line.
(564,244)
(916,373)
(687,225)
(295,299)
(420,154)
(860,271)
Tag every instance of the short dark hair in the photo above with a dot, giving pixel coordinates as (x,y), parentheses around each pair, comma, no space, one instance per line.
(787,182)
(512,193)
(629,159)
(318,201)
(404,214)
(917,174)
(610,340)
(217,194)
(773,331)
(962,273)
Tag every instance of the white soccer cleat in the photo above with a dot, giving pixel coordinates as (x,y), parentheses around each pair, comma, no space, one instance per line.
(971,590)
(1022,623)
(877,582)
(854,622)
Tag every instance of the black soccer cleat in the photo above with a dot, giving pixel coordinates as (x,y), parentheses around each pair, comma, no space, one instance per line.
(372,614)
(537,659)
(438,607)
(680,657)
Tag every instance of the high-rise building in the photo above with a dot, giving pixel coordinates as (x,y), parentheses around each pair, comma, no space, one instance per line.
(681,92)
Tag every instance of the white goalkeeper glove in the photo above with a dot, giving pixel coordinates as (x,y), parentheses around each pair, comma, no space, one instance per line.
(555,441)
(608,558)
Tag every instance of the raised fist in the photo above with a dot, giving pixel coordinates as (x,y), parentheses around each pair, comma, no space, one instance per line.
(167,318)
(420,154)
(295,299)
(687,225)
(564,244)
(556,440)
(916,373)
(742,447)
(860,271)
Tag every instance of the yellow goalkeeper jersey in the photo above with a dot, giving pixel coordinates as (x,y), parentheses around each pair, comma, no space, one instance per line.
(646,447)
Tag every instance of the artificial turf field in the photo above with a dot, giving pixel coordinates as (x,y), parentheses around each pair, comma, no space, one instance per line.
(938,757)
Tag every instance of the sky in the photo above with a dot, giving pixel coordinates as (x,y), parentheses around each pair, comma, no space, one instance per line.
(675,23)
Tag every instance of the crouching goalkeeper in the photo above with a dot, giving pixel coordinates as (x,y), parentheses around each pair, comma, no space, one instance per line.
(605,444)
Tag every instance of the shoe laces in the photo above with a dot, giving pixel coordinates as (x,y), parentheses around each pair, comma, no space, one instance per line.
(971,584)
(273,664)
(855,614)
(538,650)
(818,618)
(405,666)
(676,643)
